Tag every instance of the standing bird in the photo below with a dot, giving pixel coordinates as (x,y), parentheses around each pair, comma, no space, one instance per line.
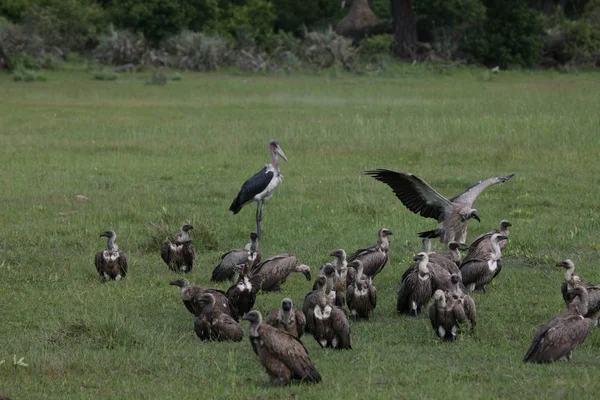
(504,225)
(375,257)
(111,263)
(361,295)
(569,283)
(249,255)
(420,198)
(446,316)
(274,271)
(341,268)
(477,273)
(242,295)
(212,324)
(328,323)
(416,288)
(288,319)
(190,295)
(178,253)
(283,356)
(557,339)
(261,186)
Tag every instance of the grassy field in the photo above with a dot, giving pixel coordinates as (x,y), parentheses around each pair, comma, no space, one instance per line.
(152,157)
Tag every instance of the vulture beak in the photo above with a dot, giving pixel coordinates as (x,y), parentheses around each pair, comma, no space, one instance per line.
(280,152)
(502,237)
(476,216)
(561,264)
(417,258)
(307,275)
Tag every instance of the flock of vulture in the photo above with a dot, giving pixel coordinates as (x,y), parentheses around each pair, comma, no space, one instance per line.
(348,281)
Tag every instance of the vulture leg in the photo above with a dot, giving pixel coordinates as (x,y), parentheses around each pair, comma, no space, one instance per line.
(259,209)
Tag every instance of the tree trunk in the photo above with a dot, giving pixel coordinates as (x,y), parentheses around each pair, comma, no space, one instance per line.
(405,28)
(4,56)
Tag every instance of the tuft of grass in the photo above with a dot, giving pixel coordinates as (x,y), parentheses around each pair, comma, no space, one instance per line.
(105,76)
(177,77)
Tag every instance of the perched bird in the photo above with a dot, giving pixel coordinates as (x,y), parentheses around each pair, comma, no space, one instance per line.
(179,253)
(214,325)
(242,295)
(374,258)
(341,268)
(310,300)
(477,273)
(288,319)
(249,255)
(328,323)
(329,272)
(261,186)
(459,294)
(274,271)
(416,288)
(593,291)
(283,356)
(190,295)
(557,339)
(111,263)
(446,315)
(361,295)
(420,198)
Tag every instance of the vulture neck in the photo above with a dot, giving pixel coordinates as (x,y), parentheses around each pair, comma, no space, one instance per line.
(183,236)
(208,309)
(253,329)
(569,273)
(285,316)
(441,302)
(496,252)
(581,307)
(423,266)
(253,245)
(383,243)
(426,245)
(359,272)
(110,244)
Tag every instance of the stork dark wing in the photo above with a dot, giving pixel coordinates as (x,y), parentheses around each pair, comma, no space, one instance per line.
(253,186)
(414,193)
(469,195)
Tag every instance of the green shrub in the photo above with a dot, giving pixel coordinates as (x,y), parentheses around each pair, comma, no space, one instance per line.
(325,49)
(252,22)
(119,47)
(378,44)
(23,47)
(24,61)
(41,77)
(197,51)
(105,76)
(29,75)
(177,77)
(512,34)
(17,76)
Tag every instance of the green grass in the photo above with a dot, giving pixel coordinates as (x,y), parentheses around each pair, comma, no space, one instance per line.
(152,157)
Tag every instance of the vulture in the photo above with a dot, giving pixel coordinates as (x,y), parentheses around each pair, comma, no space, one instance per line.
(249,255)
(416,287)
(329,272)
(477,273)
(329,324)
(567,288)
(504,225)
(341,268)
(288,319)
(274,271)
(557,339)
(283,356)
(212,324)
(375,257)
(361,295)
(178,253)
(420,198)
(446,316)
(261,186)
(111,263)
(242,295)
(459,294)
(310,300)
(190,295)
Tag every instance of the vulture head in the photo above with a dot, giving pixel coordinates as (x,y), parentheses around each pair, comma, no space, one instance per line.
(328,270)
(422,256)
(186,227)
(286,305)
(504,224)
(440,298)
(180,282)
(498,237)
(454,279)
(474,214)
(321,282)
(253,316)
(339,254)
(109,234)
(253,236)
(275,148)
(383,232)
(566,264)
(206,299)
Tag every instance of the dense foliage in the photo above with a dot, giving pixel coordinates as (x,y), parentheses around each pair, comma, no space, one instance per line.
(491,32)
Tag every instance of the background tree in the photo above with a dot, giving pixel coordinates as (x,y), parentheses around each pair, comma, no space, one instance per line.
(404,27)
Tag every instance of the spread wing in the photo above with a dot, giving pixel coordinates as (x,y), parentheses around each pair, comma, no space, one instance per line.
(414,193)
(469,195)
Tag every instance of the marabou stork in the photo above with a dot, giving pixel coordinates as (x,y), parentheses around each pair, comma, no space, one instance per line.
(261,186)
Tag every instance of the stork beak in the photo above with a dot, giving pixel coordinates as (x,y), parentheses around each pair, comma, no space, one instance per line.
(280,152)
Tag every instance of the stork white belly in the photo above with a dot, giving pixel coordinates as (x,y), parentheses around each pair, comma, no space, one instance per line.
(270,189)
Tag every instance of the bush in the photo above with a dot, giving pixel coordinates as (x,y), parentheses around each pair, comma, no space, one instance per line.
(20,45)
(119,47)
(325,49)
(67,24)
(177,77)
(512,34)
(252,22)
(378,44)
(197,51)
(105,76)
(17,76)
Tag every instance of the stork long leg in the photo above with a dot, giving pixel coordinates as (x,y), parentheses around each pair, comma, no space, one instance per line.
(259,209)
